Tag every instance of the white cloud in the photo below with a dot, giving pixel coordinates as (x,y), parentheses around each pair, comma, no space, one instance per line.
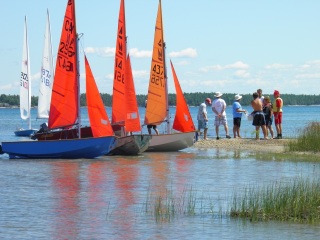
(279,66)
(242,74)
(236,65)
(105,52)
(188,52)
(134,52)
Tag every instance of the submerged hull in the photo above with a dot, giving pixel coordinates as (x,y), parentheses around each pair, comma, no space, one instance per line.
(131,145)
(171,142)
(25,132)
(70,149)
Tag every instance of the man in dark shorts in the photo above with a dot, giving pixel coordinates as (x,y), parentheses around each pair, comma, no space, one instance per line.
(258,116)
(154,128)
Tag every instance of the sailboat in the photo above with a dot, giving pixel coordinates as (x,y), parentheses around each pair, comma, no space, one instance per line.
(125,115)
(157,110)
(46,80)
(65,108)
(25,88)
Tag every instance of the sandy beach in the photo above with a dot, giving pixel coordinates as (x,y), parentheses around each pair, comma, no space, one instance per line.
(270,145)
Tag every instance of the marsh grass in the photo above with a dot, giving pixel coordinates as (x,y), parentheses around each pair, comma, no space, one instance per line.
(166,205)
(308,140)
(296,201)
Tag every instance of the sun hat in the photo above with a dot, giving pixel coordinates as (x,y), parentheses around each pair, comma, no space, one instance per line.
(237,97)
(218,94)
(208,100)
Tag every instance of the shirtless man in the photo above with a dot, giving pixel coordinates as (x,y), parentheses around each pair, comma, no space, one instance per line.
(258,116)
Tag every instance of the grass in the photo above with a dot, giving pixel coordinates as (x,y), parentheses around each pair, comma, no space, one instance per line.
(294,201)
(308,140)
(166,206)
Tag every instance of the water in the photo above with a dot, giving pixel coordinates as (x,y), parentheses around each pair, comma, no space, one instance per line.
(106,198)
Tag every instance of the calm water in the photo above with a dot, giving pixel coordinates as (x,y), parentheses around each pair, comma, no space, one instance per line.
(106,198)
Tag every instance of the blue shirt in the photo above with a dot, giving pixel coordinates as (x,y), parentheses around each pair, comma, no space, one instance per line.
(236,105)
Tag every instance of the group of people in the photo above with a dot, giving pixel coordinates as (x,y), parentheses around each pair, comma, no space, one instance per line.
(262,115)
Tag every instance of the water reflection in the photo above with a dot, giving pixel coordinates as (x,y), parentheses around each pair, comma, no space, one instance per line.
(66,199)
(126,175)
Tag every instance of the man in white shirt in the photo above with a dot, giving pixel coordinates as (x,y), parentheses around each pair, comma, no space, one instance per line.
(219,107)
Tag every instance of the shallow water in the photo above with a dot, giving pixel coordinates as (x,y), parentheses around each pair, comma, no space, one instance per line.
(107,198)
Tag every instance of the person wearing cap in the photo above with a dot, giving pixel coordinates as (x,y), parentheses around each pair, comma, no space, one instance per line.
(237,114)
(268,114)
(219,107)
(277,112)
(258,116)
(202,118)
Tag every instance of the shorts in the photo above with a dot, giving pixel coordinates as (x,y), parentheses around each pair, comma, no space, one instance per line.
(277,118)
(202,124)
(269,121)
(222,120)
(258,119)
(152,126)
(237,121)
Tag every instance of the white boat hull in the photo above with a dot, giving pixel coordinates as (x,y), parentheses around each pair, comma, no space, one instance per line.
(171,142)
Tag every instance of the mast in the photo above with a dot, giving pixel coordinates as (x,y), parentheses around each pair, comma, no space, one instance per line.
(78,36)
(165,75)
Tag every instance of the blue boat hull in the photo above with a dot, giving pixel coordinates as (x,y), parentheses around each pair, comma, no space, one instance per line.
(70,148)
(25,132)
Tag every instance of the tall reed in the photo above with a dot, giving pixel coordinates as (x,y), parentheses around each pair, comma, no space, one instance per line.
(308,140)
(297,201)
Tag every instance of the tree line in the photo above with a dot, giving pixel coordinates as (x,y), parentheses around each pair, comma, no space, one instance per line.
(193,99)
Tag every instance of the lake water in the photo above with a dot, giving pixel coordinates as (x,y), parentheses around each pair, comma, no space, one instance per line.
(112,197)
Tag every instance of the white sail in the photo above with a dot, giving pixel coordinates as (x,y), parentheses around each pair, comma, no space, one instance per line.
(25,80)
(46,74)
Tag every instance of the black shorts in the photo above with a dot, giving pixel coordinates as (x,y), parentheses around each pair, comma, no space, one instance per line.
(258,119)
(152,126)
(237,121)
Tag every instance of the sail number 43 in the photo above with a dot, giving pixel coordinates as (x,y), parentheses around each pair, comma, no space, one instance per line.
(157,75)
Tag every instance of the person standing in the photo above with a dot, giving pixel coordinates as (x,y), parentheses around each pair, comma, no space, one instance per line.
(277,113)
(237,114)
(202,117)
(151,126)
(268,114)
(258,116)
(259,91)
(219,107)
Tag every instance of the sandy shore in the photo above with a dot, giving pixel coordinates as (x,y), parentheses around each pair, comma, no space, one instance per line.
(270,145)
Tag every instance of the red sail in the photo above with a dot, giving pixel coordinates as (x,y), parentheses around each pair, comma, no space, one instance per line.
(99,121)
(131,104)
(65,94)
(118,96)
(182,120)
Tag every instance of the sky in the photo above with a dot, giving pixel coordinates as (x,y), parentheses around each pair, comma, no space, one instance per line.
(230,46)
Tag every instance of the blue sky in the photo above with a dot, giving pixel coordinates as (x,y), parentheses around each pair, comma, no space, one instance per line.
(231,46)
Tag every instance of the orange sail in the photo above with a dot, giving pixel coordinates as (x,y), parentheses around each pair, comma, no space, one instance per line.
(118,97)
(182,120)
(65,93)
(157,103)
(99,121)
(131,104)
